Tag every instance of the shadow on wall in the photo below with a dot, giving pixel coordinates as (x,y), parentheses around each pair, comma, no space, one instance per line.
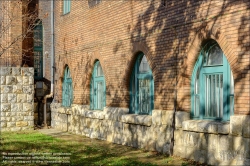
(176,25)
(176,35)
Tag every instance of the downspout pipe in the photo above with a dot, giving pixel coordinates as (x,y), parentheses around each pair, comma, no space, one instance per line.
(52,67)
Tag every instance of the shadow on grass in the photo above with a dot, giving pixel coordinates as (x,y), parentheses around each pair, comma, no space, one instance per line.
(82,153)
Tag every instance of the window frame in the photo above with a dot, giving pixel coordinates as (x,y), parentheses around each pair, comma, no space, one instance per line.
(38,67)
(67,99)
(66,6)
(93,85)
(135,76)
(203,70)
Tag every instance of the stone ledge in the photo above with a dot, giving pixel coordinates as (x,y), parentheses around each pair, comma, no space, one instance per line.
(240,125)
(93,114)
(114,113)
(206,126)
(145,120)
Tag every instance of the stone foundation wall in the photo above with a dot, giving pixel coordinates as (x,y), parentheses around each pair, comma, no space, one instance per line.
(214,143)
(116,125)
(17,98)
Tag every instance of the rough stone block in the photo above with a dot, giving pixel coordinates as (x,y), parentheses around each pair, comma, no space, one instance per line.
(117,138)
(5,107)
(223,128)
(114,113)
(178,135)
(31,80)
(21,124)
(4,71)
(4,98)
(19,80)
(212,142)
(11,124)
(180,117)
(28,107)
(16,107)
(17,89)
(167,117)
(180,150)
(156,117)
(11,80)
(190,125)
(28,89)
(6,89)
(236,125)
(2,80)
(30,98)
(145,120)
(25,80)
(246,126)
(225,143)
(94,114)
(27,71)
(191,139)
(129,118)
(110,136)
(21,98)
(3,124)
(118,127)
(12,98)
(15,129)
(16,71)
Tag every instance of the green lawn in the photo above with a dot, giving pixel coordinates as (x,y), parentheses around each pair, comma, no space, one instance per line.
(76,150)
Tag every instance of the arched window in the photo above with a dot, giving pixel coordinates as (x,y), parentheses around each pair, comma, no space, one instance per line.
(141,87)
(97,88)
(38,50)
(212,85)
(67,95)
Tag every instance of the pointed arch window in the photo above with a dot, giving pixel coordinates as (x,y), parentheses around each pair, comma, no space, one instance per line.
(67,95)
(212,85)
(97,88)
(141,87)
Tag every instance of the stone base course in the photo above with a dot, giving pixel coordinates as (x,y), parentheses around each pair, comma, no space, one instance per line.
(214,143)
(17,98)
(115,125)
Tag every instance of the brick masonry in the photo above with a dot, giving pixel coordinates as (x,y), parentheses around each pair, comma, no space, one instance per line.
(17,98)
(170,36)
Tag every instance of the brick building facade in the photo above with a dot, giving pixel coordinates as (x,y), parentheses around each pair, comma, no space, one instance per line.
(173,37)
(104,91)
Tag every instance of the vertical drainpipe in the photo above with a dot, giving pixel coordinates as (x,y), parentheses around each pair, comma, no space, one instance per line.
(52,66)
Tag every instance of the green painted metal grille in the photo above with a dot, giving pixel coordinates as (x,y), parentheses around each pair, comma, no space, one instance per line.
(67,91)
(38,51)
(141,88)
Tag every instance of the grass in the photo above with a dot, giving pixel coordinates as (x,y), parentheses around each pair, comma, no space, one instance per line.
(80,151)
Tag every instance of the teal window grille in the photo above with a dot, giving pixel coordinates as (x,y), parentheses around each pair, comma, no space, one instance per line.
(97,88)
(212,85)
(141,87)
(67,89)
(66,6)
(38,51)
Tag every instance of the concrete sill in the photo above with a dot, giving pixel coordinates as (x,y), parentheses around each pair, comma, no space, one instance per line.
(145,120)
(206,126)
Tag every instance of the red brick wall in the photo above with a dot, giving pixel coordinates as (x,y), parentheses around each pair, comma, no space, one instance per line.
(170,36)
(45,15)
